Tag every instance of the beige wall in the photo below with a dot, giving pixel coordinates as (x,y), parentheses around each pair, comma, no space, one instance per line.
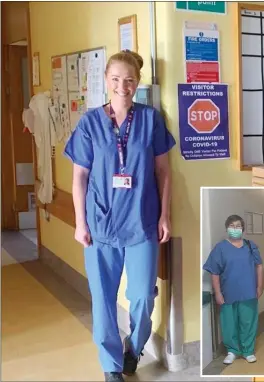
(14,21)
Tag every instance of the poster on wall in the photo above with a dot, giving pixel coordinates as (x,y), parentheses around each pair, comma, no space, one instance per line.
(76,108)
(36,69)
(83,63)
(73,73)
(127,33)
(203,121)
(60,92)
(201,53)
(76,102)
(91,75)
(126,36)
(95,79)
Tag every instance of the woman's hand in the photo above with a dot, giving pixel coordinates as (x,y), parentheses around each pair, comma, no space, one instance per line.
(82,235)
(219,298)
(259,292)
(164,228)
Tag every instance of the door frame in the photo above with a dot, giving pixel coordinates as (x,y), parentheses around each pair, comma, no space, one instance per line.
(8,179)
(34,150)
(11,35)
(21,144)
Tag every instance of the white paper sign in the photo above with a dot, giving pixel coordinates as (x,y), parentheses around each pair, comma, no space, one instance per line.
(92,86)
(126,36)
(60,92)
(72,73)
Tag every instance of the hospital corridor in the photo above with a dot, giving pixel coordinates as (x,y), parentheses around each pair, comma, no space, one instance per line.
(46,325)
(114,118)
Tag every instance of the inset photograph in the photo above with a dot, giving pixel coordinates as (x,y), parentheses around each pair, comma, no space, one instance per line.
(232,252)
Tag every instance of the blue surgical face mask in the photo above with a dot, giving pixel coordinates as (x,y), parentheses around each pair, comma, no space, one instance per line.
(235,233)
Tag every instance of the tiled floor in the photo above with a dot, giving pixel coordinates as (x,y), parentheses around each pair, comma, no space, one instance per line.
(30,234)
(46,326)
(242,366)
(6,259)
(18,246)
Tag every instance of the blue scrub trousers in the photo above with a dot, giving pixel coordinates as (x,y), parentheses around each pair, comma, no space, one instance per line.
(104,266)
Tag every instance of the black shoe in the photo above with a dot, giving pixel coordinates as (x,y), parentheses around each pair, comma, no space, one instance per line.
(130,361)
(114,377)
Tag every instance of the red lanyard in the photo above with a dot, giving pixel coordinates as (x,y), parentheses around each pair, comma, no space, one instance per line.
(121,145)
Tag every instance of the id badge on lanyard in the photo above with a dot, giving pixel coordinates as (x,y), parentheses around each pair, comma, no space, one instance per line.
(122,180)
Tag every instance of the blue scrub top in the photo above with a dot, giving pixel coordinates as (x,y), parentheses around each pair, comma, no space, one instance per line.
(121,217)
(237,270)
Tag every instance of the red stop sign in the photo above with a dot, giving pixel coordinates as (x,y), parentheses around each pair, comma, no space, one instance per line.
(203,116)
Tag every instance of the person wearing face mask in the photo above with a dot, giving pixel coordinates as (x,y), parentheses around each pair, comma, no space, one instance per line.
(121,193)
(237,272)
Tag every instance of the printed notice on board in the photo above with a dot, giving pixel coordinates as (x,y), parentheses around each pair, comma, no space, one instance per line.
(91,73)
(73,73)
(203,121)
(95,79)
(60,92)
(77,107)
(201,54)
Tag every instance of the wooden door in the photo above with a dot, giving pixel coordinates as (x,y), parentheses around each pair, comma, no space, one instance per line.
(9,217)
(17,161)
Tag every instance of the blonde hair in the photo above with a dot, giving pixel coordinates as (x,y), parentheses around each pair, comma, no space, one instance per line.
(128,57)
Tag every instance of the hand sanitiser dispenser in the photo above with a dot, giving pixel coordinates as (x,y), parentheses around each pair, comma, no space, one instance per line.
(148,95)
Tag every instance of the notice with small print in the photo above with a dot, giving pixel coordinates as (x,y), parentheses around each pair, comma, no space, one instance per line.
(201,54)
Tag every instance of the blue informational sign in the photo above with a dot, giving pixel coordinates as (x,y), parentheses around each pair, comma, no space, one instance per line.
(201,53)
(203,121)
(201,48)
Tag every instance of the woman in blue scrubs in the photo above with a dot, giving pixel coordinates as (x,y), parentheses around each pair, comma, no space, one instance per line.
(237,272)
(121,194)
